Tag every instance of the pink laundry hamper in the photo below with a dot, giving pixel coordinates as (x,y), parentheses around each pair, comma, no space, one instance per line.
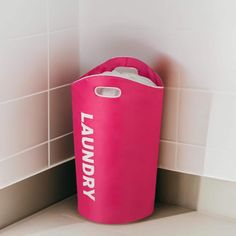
(116,143)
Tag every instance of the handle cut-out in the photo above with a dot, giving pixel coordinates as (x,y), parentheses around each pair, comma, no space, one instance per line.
(107,92)
(123,69)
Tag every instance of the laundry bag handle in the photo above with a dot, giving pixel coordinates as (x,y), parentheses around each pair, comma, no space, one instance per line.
(107,92)
(142,68)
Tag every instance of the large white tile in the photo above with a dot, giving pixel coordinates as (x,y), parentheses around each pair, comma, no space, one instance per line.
(224,59)
(23,165)
(210,15)
(156,14)
(222,125)
(23,67)
(64,57)
(23,124)
(221,163)
(194,116)
(63,14)
(22,17)
(167,155)
(208,60)
(60,112)
(220,157)
(61,149)
(205,57)
(190,159)
(170,114)
(96,46)
(198,68)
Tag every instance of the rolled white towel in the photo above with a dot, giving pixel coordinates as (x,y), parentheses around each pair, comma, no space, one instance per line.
(131,74)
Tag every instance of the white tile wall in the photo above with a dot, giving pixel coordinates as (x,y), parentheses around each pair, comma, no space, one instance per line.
(194,109)
(167,155)
(192,46)
(167,67)
(20,18)
(64,55)
(60,112)
(24,123)
(23,67)
(210,15)
(63,14)
(38,61)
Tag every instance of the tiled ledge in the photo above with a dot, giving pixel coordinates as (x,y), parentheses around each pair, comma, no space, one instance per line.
(207,195)
(39,191)
(63,219)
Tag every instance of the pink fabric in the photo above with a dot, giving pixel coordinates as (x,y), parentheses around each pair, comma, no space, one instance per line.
(121,135)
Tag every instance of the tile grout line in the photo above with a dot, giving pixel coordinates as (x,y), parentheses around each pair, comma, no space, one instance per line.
(39,34)
(215,91)
(34,94)
(48,84)
(62,136)
(66,85)
(177,119)
(23,151)
(23,97)
(60,86)
(182,143)
(64,29)
(197,174)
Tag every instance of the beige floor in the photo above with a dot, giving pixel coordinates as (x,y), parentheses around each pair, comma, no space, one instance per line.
(62,219)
